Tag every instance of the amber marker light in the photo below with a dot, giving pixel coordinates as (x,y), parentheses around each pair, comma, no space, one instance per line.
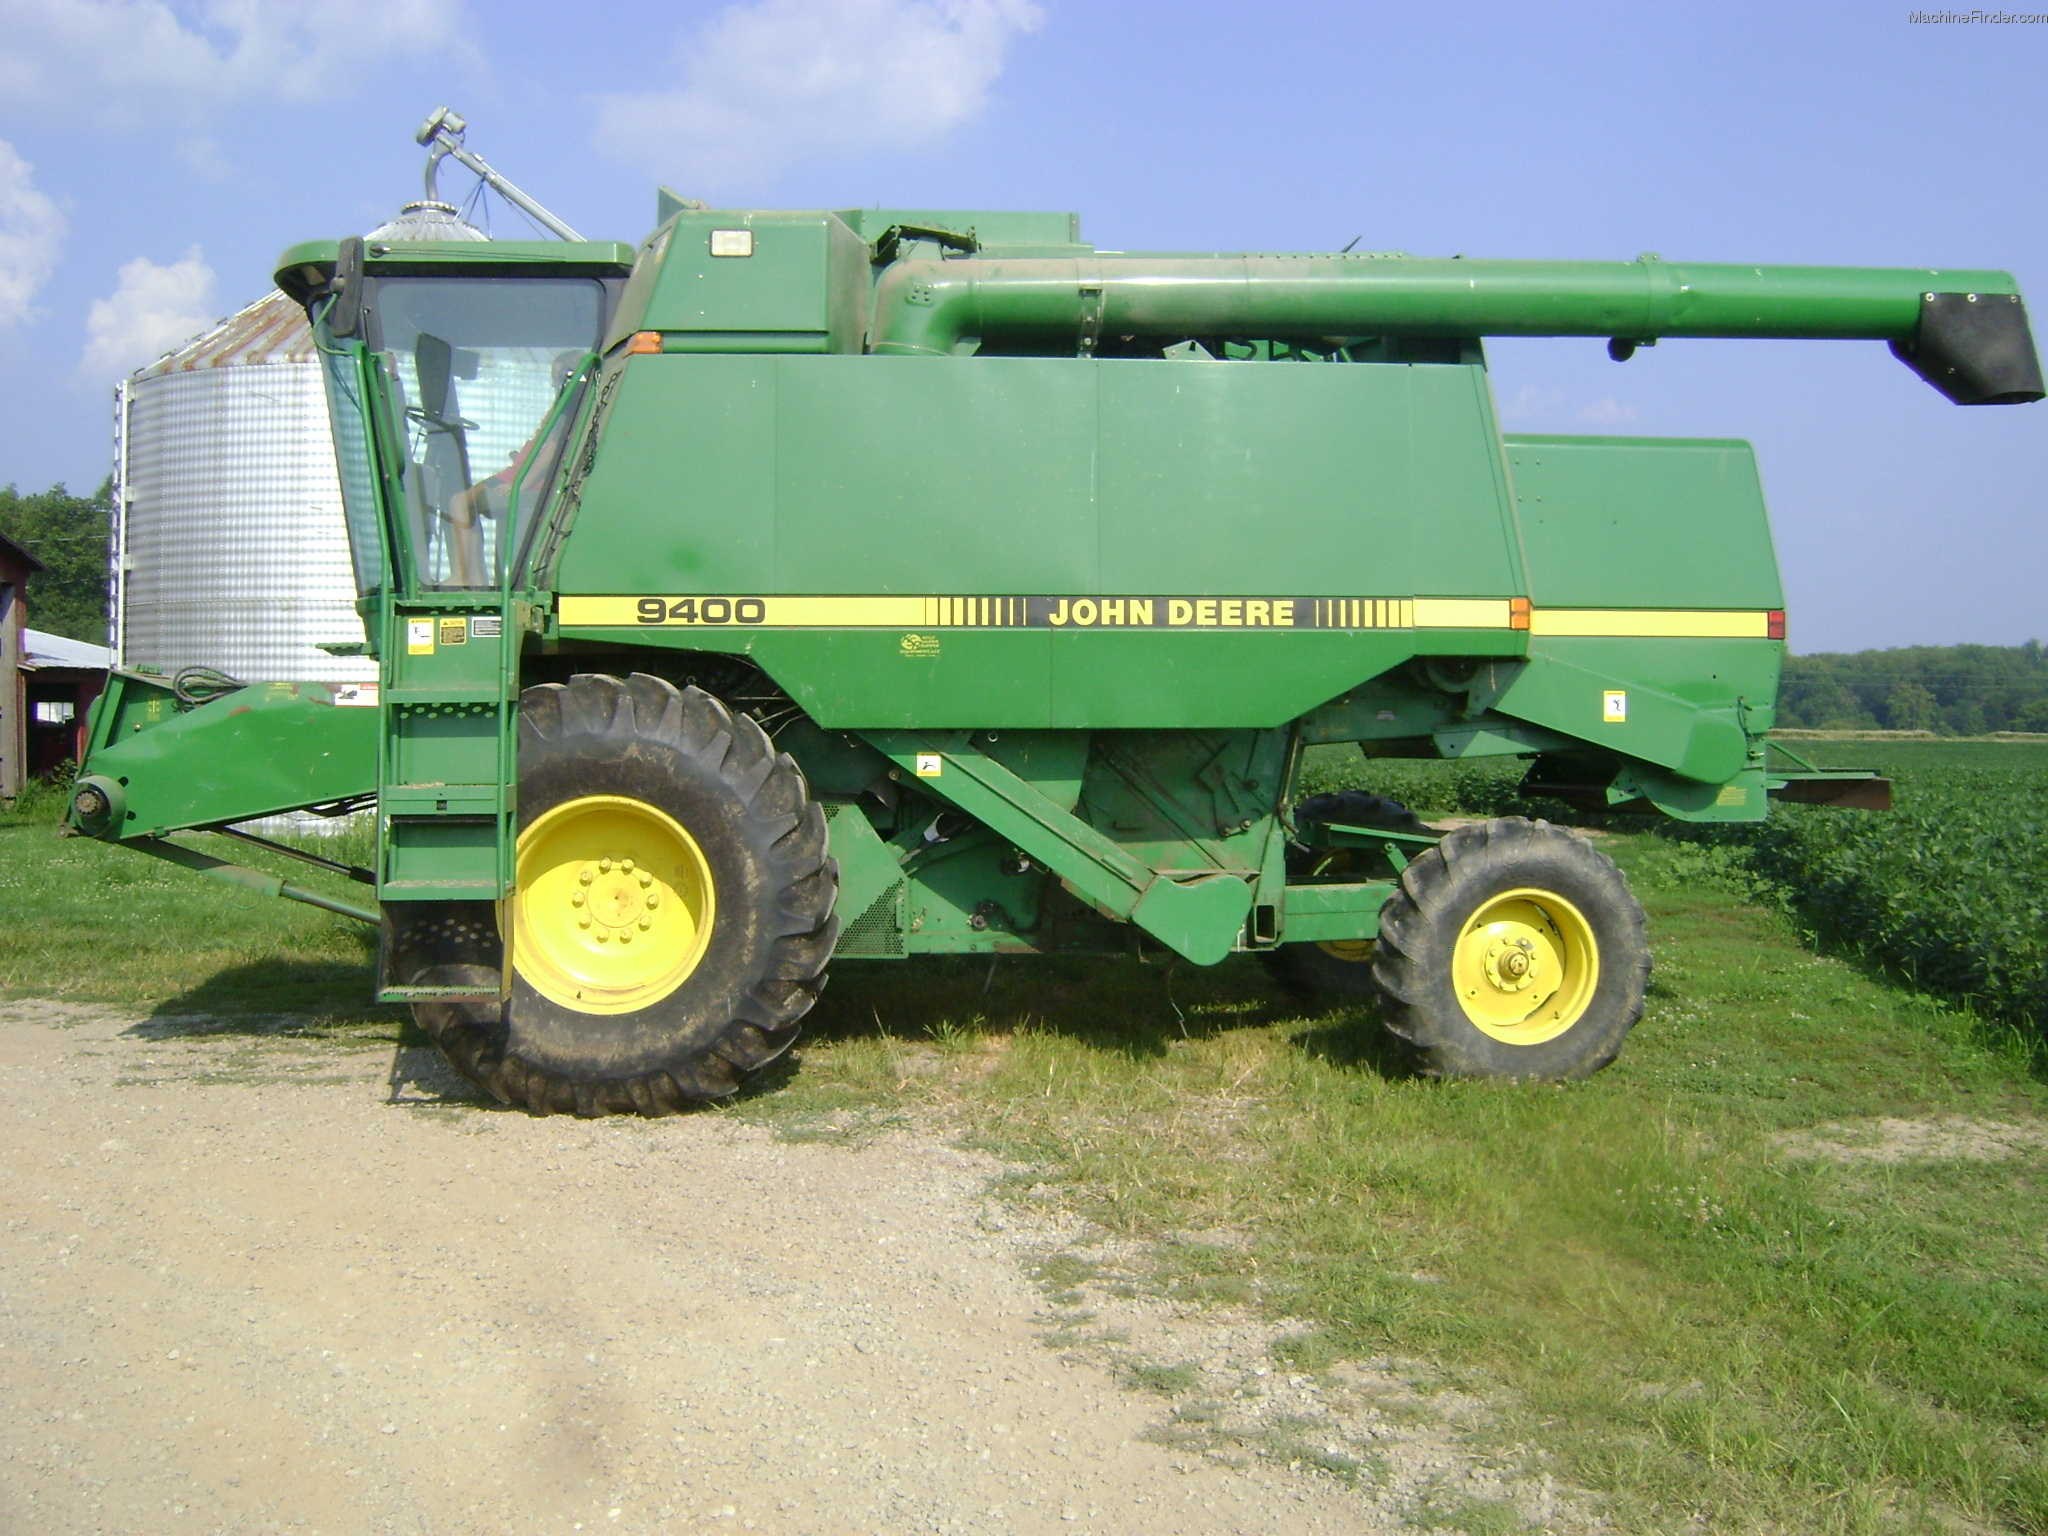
(1518,613)
(644,341)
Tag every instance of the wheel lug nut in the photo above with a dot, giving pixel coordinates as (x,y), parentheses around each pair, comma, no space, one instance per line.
(646,923)
(626,865)
(587,876)
(625,935)
(654,898)
(602,936)
(583,921)
(575,898)
(646,878)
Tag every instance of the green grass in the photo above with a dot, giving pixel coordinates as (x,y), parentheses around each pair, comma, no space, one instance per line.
(88,922)
(1685,1317)
(1703,1328)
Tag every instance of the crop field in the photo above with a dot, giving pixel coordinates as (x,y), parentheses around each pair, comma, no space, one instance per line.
(1780,1268)
(1951,889)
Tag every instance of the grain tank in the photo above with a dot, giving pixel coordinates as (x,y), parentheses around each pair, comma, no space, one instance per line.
(880,583)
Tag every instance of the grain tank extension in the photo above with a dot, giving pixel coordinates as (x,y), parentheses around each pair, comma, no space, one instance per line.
(810,585)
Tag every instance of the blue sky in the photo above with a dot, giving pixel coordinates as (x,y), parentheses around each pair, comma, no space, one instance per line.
(158,155)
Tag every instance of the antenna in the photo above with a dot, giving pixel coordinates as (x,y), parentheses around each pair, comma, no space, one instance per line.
(442,134)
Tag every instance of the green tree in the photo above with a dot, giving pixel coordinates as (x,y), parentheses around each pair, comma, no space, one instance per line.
(1974,687)
(1912,707)
(69,535)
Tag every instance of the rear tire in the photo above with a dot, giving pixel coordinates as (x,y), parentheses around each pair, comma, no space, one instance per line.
(672,915)
(1513,949)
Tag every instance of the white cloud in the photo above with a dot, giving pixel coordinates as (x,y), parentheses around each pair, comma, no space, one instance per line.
(768,82)
(31,235)
(1532,400)
(153,311)
(119,59)
(1607,413)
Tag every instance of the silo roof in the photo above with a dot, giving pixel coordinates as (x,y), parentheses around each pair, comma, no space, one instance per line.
(271,330)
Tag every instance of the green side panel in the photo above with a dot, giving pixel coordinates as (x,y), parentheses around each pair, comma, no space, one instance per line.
(806,277)
(1616,522)
(953,888)
(1318,912)
(867,865)
(913,475)
(1744,797)
(1685,698)
(1023,476)
(270,747)
(1249,477)
(861,679)
(682,496)
(1149,680)
(1051,762)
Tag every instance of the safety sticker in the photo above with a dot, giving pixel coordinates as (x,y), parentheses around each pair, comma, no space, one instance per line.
(419,637)
(454,631)
(930,765)
(487,626)
(356,695)
(1614,707)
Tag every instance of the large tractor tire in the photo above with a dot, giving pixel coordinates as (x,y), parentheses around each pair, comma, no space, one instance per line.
(1338,967)
(1513,949)
(672,913)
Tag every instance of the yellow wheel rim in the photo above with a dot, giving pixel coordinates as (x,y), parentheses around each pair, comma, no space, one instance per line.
(1525,967)
(1356,951)
(613,905)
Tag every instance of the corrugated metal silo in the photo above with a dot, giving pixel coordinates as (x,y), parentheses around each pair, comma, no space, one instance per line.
(230,551)
(229,547)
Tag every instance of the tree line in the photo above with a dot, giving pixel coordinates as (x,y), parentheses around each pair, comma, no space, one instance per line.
(1952,690)
(68,534)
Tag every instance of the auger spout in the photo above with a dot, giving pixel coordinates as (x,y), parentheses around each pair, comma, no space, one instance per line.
(1965,332)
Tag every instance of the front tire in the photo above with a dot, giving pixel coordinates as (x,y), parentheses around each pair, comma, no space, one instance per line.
(672,913)
(1513,949)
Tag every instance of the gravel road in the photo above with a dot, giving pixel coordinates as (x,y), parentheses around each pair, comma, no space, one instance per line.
(257,1284)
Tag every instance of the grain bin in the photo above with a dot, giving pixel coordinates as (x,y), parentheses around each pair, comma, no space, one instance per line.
(229,546)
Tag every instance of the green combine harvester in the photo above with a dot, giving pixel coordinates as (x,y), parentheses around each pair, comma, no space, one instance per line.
(802,586)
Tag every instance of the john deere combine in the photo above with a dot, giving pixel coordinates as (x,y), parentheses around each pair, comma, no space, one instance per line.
(869,584)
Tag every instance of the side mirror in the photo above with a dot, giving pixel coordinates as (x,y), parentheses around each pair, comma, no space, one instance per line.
(345,307)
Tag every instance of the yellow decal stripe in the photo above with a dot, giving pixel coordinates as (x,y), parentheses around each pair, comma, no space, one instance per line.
(982,612)
(1461,613)
(1651,623)
(785,612)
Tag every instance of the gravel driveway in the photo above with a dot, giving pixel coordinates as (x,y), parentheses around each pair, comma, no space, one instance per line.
(269,1285)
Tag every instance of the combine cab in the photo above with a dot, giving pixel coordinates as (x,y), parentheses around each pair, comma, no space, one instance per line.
(811,585)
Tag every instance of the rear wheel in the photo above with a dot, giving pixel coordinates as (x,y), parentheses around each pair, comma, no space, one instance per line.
(672,912)
(1513,949)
